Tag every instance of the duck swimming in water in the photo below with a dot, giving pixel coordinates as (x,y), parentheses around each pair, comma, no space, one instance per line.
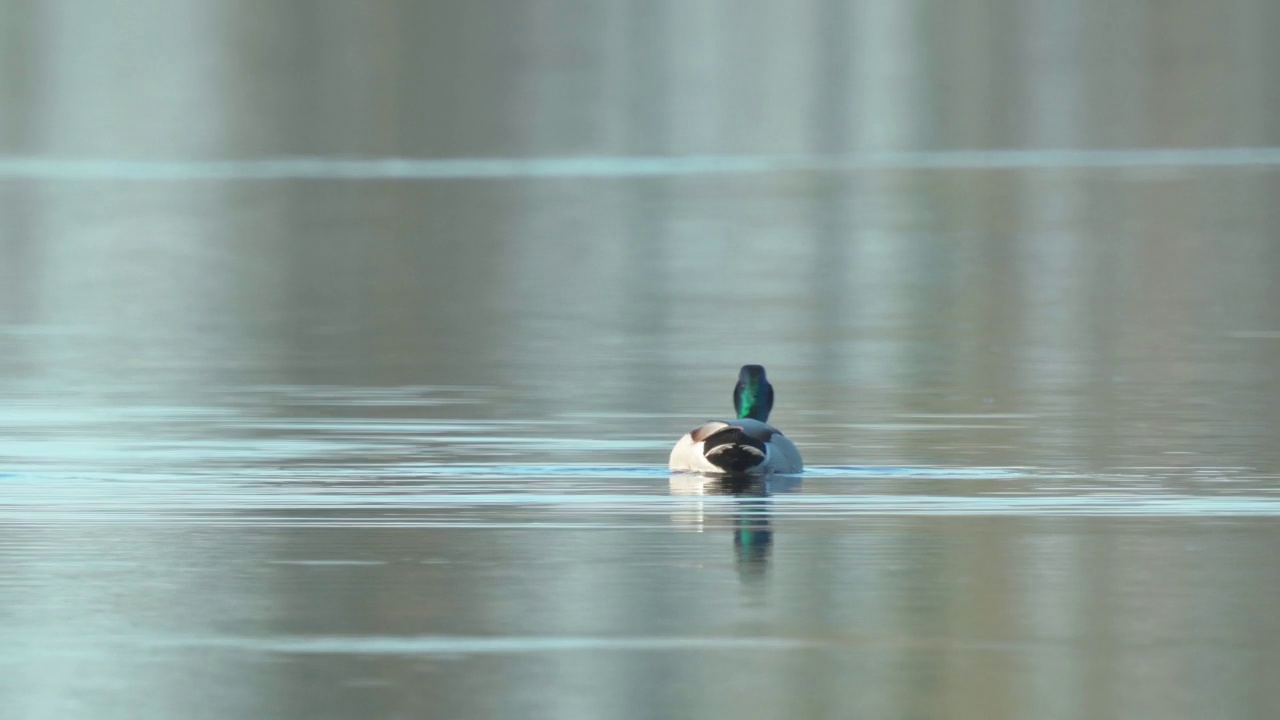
(746,445)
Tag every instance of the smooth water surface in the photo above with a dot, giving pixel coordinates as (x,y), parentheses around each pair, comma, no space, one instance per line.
(341,353)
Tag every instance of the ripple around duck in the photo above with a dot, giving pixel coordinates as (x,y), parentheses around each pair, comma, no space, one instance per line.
(441,645)
(604,166)
(616,496)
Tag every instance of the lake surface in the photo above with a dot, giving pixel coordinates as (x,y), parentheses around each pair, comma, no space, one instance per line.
(341,354)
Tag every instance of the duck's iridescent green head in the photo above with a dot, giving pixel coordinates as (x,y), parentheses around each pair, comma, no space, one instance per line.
(753,395)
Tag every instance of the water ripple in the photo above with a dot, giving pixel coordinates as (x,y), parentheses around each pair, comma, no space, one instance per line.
(291,168)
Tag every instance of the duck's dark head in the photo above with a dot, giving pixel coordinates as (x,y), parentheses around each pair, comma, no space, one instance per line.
(753,395)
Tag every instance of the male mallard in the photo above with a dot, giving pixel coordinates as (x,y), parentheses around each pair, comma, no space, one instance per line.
(747,445)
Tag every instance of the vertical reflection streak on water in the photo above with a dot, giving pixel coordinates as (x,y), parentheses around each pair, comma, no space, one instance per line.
(1048,216)
(1116,67)
(85,275)
(1190,101)
(97,80)
(833,291)
(698,93)
(1049,41)
(882,120)
(20,71)
(1051,608)
(969,39)
(1261,17)
(1105,306)
(647,212)
(834,294)
(567,95)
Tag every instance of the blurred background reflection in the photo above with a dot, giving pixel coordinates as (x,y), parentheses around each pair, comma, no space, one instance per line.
(342,345)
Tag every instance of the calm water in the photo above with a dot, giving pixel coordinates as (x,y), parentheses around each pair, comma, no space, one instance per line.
(341,352)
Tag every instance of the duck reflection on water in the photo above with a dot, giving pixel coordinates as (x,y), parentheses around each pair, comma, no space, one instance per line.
(750,518)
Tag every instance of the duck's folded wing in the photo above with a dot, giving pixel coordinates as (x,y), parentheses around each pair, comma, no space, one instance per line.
(764,432)
(687,454)
(789,460)
(706,430)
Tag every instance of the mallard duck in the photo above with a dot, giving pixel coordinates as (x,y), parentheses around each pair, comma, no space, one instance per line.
(746,445)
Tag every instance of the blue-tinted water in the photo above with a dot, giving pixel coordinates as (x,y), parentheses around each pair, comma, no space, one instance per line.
(341,350)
